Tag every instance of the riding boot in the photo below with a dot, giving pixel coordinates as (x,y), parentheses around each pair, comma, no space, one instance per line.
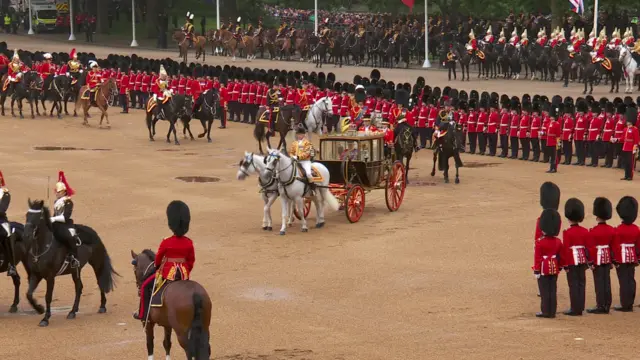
(73,251)
(9,257)
(145,298)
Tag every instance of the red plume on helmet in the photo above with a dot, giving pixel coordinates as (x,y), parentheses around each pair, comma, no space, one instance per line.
(72,54)
(63,179)
(2,183)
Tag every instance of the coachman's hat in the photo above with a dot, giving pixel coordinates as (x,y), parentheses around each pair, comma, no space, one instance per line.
(178,217)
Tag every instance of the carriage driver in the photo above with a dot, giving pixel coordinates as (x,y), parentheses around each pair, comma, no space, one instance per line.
(5,227)
(301,150)
(175,257)
(61,220)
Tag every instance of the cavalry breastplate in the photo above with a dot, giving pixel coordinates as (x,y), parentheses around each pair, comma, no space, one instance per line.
(58,206)
(15,66)
(74,66)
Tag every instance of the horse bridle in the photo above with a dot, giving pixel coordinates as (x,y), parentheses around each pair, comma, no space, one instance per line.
(34,234)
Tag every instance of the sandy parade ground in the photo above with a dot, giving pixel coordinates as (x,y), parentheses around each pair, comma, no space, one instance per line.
(448,276)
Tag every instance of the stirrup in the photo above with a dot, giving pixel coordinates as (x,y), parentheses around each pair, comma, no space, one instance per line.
(74,263)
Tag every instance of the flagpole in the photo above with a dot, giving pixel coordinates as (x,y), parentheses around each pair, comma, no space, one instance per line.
(315,17)
(595,18)
(426,63)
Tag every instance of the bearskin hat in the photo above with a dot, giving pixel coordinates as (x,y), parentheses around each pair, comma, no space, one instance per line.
(631,115)
(474,95)
(375,74)
(179,217)
(549,195)
(602,208)
(550,222)
(627,209)
(574,210)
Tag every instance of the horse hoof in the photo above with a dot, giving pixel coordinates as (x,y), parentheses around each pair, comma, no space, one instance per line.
(39,309)
(21,116)
(269,228)
(305,230)
(319,225)
(14,115)
(33,116)
(446,180)
(71,316)
(59,117)
(177,142)
(457,181)
(44,323)
(168,141)
(282,232)
(102,310)
(13,309)
(264,228)
(433,173)
(209,141)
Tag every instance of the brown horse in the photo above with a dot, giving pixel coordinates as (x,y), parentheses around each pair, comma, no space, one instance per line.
(250,45)
(301,44)
(101,100)
(186,309)
(287,115)
(199,43)
(229,42)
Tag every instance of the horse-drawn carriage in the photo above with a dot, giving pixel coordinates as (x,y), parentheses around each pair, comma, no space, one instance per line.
(357,164)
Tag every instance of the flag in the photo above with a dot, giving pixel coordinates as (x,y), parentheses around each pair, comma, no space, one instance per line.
(409,4)
(577,6)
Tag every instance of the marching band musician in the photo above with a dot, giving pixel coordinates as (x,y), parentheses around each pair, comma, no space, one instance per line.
(301,150)
(175,258)
(514,40)
(5,227)
(61,220)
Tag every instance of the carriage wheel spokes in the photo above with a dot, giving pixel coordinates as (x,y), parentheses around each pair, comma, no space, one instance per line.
(307,209)
(354,203)
(395,187)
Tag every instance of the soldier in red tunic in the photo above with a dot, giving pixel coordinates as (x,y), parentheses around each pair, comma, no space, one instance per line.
(553,132)
(175,258)
(505,118)
(575,255)
(481,125)
(524,129)
(580,132)
(567,134)
(513,129)
(546,262)
(599,253)
(594,135)
(625,246)
(630,144)
(536,127)
(492,128)
(123,89)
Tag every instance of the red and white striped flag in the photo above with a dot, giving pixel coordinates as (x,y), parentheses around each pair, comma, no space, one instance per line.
(577,6)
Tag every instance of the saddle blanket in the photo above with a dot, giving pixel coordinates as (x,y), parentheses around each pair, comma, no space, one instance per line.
(85,94)
(157,298)
(264,118)
(315,174)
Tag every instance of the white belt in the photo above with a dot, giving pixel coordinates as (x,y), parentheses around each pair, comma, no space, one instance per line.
(600,249)
(576,253)
(625,249)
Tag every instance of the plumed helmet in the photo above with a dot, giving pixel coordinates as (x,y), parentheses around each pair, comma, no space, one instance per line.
(602,208)
(574,210)
(627,209)
(550,222)
(178,217)
(549,195)
(63,185)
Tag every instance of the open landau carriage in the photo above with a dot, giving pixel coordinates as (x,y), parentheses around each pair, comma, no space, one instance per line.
(357,164)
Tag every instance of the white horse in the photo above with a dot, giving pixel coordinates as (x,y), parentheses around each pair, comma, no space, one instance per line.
(256,164)
(315,116)
(293,188)
(630,66)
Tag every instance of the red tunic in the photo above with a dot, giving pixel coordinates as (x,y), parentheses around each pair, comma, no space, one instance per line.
(626,243)
(237,89)
(463,120)
(575,240)
(146,82)
(244,94)
(618,132)
(46,69)
(224,96)
(422,116)
(579,131)
(388,137)
(567,128)
(547,256)
(290,97)
(345,104)
(253,93)
(196,89)
(336,100)
(471,122)
(631,139)
(433,115)
(535,126)
(492,126)
(386,109)
(395,113)
(124,84)
(553,133)
(356,115)
(599,244)
(609,126)
(504,122)
(515,122)
(182,85)
(595,128)
(174,85)
(93,79)
(523,129)
(302,99)
(176,254)
(369,105)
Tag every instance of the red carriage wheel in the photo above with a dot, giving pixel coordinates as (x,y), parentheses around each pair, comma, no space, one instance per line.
(307,209)
(396,184)
(354,203)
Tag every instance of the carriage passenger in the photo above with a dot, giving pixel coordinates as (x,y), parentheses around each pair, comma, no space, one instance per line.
(351,153)
(388,138)
(175,257)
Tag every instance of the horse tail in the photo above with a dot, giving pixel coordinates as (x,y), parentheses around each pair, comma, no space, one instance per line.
(198,340)
(330,200)
(100,260)
(259,131)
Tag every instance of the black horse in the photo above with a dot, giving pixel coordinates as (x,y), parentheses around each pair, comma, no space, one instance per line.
(19,251)
(463,57)
(404,145)
(283,118)
(206,108)
(444,147)
(26,88)
(166,109)
(76,82)
(610,67)
(54,89)
(47,259)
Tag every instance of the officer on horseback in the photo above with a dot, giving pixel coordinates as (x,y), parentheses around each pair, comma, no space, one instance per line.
(188,29)
(16,69)
(61,220)
(73,68)
(273,101)
(160,91)
(93,80)
(175,257)
(5,228)
(302,150)
(238,33)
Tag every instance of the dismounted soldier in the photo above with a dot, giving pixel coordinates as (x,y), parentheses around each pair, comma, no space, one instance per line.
(505,118)
(536,124)
(625,246)
(575,240)
(472,128)
(513,128)
(481,126)
(630,143)
(553,132)
(175,257)
(61,220)
(579,134)
(549,199)
(302,150)
(547,259)
(524,129)
(568,126)
(599,253)
(5,227)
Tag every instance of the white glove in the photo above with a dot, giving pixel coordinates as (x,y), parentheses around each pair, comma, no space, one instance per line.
(81,71)
(58,218)
(155,97)
(537,276)
(67,73)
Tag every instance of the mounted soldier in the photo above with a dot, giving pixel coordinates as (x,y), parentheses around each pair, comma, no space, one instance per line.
(238,33)
(73,67)
(282,30)
(16,70)
(94,79)
(188,29)
(6,235)
(524,42)
(174,260)
(161,91)
(274,97)
(63,228)
(472,45)
(515,39)
(628,39)
(542,37)
(488,37)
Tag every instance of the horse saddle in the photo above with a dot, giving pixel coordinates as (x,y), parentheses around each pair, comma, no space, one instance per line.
(480,54)
(74,81)
(85,94)
(315,174)
(157,297)
(606,63)
(151,104)
(5,85)
(266,115)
